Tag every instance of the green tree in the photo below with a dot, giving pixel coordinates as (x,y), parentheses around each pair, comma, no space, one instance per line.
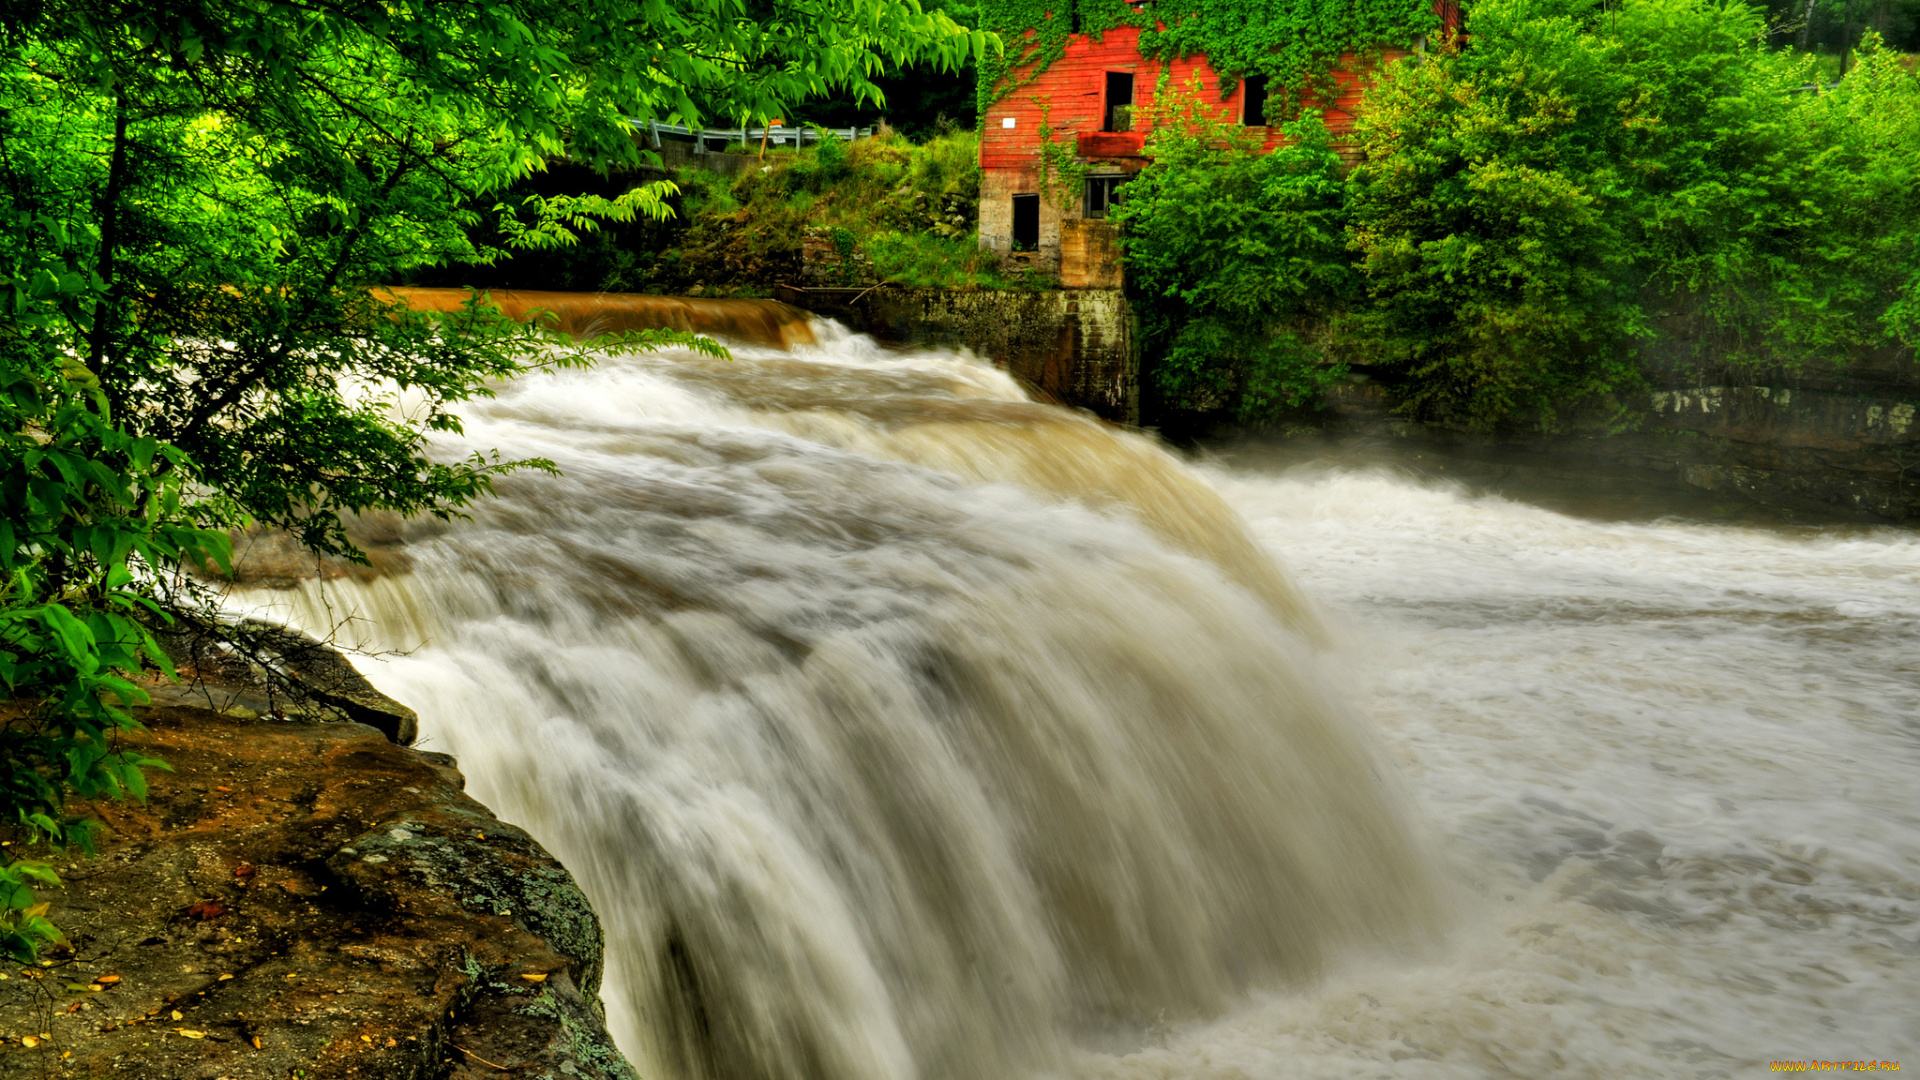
(194,200)
(1526,200)
(1231,254)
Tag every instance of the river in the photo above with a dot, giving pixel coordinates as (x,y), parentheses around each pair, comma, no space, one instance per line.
(899,727)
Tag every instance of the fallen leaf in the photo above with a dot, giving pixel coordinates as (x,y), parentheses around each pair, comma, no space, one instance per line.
(256,1042)
(244,870)
(29,1041)
(74,1008)
(222,978)
(534,978)
(223,789)
(190,1034)
(94,988)
(366,1038)
(177,1016)
(206,909)
(106,979)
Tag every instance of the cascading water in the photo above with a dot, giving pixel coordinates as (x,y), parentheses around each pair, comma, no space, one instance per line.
(897,726)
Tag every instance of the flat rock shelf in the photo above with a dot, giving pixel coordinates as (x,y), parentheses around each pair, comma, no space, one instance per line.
(309,900)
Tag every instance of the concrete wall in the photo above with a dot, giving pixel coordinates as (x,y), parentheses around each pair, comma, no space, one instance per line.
(1090,254)
(1828,435)
(1838,430)
(1071,346)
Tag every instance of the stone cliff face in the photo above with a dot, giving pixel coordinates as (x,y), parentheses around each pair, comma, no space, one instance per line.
(308,900)
(1837,433)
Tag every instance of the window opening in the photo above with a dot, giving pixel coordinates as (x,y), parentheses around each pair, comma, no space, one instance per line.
(1119,115)
(1026,222)
(1256,106)
(1103,193)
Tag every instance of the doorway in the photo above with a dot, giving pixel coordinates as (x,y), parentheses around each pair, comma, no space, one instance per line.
(1026,222)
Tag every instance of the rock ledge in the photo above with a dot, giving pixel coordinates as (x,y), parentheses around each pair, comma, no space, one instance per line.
(310,900)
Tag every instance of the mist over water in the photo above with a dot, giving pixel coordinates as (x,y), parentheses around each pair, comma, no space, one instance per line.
(900,727)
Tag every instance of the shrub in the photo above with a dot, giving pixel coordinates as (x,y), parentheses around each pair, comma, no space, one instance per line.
(1228,249)
(1526,198)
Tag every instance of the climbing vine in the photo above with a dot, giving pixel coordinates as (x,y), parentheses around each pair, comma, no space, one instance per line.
(1061,157)
(1294,43)
(1035,33)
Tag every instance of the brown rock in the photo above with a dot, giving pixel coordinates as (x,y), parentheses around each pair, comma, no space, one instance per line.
(385,928)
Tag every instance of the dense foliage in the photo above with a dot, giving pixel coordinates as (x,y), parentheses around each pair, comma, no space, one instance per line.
(1529,202)
(920,100)
(1295,43)
(1235,253)
(905,213)
(194,198)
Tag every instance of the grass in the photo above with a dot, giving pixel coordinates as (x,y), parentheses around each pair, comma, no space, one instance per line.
(911,211)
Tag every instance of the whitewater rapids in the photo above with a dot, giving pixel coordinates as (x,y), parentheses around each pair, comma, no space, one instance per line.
(899,727)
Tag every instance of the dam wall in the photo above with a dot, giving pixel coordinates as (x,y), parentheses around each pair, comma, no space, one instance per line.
(1073,347)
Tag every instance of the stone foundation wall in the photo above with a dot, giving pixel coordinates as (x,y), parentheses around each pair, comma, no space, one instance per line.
(1071,346)
(1839,432)
(1827,436)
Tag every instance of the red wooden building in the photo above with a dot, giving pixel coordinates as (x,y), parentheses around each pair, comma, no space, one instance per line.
(1099,98)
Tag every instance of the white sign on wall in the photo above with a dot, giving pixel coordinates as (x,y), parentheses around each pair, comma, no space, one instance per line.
(1006,122)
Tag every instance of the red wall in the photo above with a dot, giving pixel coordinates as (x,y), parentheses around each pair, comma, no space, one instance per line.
(1074,86)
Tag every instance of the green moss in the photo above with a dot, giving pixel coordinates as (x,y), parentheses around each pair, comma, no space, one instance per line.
(587,1041)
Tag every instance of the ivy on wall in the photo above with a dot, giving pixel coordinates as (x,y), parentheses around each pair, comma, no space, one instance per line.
(1035,33)
(1294,43)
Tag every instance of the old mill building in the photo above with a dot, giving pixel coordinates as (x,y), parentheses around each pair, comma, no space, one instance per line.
(1076,77)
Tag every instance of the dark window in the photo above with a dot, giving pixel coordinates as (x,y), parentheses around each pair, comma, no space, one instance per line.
(1103,192)
(1119,101)
(1026,222)
(1256,110)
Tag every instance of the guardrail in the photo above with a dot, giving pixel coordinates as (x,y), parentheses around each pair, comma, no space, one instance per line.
(774,135)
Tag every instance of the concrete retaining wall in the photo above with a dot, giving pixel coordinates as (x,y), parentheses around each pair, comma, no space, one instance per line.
(1072,346)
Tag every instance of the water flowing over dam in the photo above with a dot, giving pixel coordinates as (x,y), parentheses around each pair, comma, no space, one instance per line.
(900,727)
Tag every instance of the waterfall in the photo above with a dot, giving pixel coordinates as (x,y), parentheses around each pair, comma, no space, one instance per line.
(897,726)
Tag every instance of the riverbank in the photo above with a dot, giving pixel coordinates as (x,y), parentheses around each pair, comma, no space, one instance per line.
(308,899)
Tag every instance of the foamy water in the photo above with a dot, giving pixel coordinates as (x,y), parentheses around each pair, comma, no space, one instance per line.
(1673,763)
(899,727)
